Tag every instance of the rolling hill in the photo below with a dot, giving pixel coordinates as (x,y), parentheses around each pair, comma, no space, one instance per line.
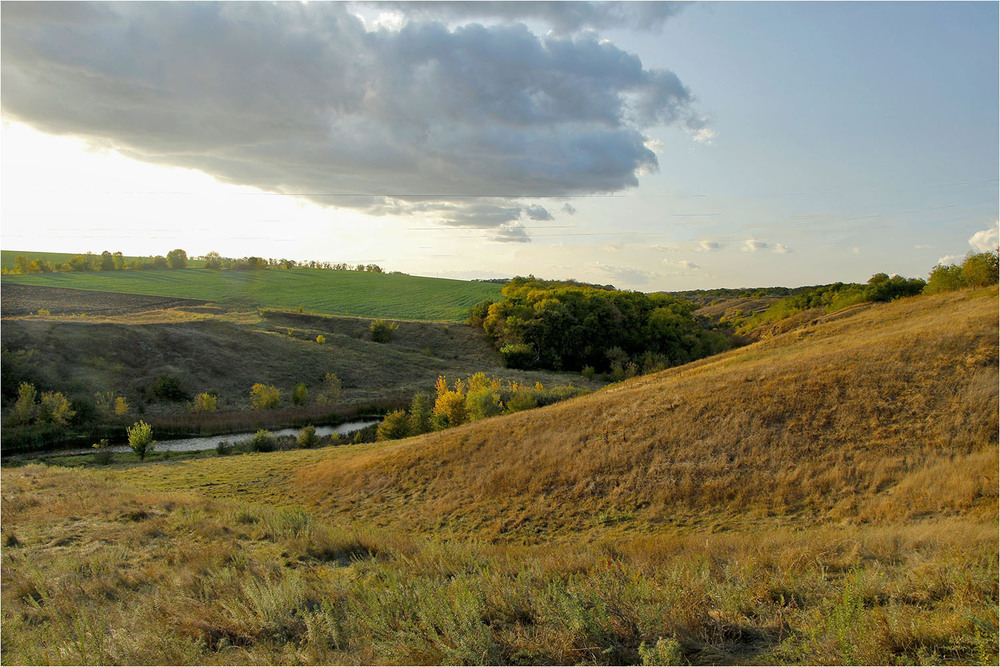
(827,495)
(887,412)
(349,293)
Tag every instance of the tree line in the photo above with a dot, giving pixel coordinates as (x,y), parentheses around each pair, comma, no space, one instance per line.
(175,259)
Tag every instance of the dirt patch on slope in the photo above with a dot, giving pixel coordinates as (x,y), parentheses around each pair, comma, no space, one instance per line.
(19,300)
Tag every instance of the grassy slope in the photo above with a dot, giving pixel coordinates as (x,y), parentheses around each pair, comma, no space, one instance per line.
(828,495)
(229,353)
(886,414)
(354,293)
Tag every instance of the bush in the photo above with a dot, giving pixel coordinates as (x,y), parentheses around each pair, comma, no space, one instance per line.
(307,438)
(205,402)
(449,409)
(981,269)
(518,355)
(54,408)
(223,448)
(103,454)
(168,388)
(395,426)
(330,392)
(24,408)
(300,395)
(382,331)
(264,396)
(421,413)
(262,441)
(321,339)
(140,439)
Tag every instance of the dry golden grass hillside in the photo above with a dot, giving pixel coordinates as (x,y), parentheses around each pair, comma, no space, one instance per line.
(885,413)
(825,496)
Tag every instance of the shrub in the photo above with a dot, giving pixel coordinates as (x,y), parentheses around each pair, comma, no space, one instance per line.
(382,331)
(223,448)
(421,412)
(588,372)
(262,441)
(300,395)
(205,402)
(980,269)
(449,408)
(54,408)
(121,406)
(518,355)
(24,408)
(330,392)
(264,396)
(140,439)
(393,427)
(321,339)
(664,652)
(168,388)
(103,454)
(307,438)
(482,403)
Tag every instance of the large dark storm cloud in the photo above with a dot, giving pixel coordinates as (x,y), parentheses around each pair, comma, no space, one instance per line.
(468,123)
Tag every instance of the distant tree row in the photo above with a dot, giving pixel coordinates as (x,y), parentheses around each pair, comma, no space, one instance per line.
(175,259)
(106,261)
(976,270)
(572,327)
(214,260)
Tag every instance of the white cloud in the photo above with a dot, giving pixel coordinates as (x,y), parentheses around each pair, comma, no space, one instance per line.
(753,245)
(707,246)
(781,249)
(467,122)
(949,259)
(986,240)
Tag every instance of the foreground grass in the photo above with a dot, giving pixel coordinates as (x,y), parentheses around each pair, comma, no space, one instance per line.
(352,293)
(97,572)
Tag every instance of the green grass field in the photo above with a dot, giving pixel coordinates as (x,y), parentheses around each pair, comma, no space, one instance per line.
(352,293)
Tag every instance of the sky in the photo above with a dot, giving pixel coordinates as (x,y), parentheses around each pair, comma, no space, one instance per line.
(653,146)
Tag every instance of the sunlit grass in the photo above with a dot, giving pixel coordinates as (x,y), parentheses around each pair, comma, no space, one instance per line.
(353,293)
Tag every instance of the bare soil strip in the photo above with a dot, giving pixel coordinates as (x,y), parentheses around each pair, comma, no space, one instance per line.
(20,300)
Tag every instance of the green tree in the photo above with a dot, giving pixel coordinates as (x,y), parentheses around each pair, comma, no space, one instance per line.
(177,259)
(307,438)
(980,269)
(300,395)
(24,408)
(140,438)
(421,414)
(394,426)
(54,408)
(944,279)
(213,260)
(107,261)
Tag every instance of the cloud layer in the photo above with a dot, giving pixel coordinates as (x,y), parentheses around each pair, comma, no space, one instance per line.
(463,125)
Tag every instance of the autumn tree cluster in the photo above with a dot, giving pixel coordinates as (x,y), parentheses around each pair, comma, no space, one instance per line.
(572,327)
(466,400)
